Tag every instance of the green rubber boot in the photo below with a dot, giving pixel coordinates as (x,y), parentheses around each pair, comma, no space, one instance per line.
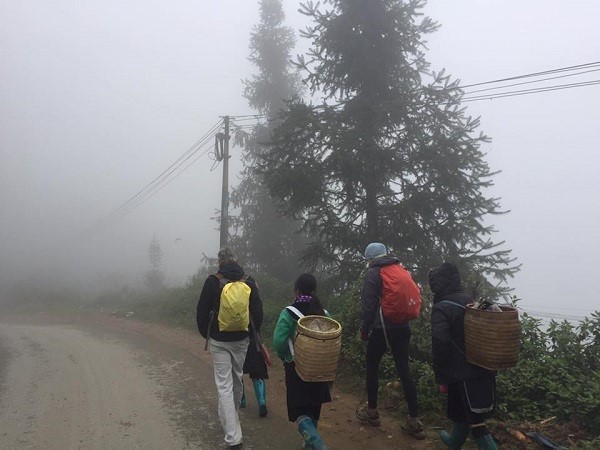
(260,389)
(457,438)
(309,433)
(486,443)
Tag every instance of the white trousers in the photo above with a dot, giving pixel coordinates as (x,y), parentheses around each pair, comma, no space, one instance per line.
(228,362)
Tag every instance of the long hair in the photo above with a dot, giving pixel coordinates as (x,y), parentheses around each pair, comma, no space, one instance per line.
(306,284)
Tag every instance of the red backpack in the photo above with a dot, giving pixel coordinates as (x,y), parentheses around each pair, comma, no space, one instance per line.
(400,295)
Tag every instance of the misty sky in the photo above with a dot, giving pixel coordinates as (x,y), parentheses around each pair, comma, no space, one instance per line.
(99,97)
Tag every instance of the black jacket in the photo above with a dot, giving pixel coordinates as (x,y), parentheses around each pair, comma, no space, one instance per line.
(210,301)
(371,294)
(447,329)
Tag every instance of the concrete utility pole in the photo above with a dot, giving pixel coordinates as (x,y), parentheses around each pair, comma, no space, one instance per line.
(225,189)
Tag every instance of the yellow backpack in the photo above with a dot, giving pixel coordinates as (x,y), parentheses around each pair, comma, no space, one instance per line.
(234,308)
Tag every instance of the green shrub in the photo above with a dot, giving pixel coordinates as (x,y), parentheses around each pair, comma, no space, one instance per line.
(557,374)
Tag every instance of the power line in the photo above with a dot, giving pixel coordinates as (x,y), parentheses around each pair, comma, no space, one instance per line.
(162,180)
(150,191)
(530,91)
(567,308)
(534,81)
(192,149)
(244,116)
(248,118)
(553,315)
(545,72)
(595,66)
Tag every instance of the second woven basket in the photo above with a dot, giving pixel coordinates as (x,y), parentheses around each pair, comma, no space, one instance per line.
(492,339)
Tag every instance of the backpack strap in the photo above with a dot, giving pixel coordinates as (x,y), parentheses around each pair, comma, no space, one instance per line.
(224,280)
(387,341)
(296,314)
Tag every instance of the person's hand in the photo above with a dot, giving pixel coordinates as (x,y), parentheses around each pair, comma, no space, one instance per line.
(266,355)
(364,336)
(443,388)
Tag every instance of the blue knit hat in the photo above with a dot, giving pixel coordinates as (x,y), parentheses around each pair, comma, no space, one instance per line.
(375,250)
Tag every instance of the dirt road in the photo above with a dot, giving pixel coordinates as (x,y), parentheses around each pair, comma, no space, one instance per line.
(103,382)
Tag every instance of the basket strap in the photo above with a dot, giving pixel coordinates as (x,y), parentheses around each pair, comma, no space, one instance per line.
(452,303)
(298,315)
(296,311)
(460,306)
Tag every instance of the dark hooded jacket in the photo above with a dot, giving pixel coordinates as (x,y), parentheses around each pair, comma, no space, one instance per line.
(371,295)
(210,301)
(447,328)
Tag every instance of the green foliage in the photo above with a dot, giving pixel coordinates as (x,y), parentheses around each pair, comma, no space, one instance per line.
(558,374)
(345,308)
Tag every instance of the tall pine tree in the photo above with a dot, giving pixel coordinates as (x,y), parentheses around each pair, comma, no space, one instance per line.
(390,155)
(264,238)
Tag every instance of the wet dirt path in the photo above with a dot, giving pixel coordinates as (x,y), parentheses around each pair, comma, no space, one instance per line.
(66,386)
(106,382)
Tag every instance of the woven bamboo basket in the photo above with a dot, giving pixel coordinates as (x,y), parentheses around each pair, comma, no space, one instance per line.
(317,348)
(492,338)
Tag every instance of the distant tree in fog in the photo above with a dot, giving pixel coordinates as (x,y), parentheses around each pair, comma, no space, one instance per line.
(264,239)
(154,277)
(390,154)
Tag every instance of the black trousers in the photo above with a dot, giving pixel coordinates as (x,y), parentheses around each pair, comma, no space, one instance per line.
(471,401)
(399,341)
(304,398)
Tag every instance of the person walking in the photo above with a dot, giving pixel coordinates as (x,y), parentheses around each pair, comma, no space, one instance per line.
(256,367)
(304,399)
(386,278)
(471,389)
(227,306)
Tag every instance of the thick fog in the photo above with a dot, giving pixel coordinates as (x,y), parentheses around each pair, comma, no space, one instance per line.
(97,98)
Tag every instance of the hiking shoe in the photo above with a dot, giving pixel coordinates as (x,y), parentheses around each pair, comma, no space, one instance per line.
(414,427)
(368,415)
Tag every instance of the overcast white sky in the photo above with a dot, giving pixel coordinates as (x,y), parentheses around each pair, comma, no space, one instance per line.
(99,97)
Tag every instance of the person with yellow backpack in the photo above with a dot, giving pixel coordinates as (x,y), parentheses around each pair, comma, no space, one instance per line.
(228,309)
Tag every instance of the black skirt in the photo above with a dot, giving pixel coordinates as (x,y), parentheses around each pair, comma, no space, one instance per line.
(471,401)
(254,364)
(304,398)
